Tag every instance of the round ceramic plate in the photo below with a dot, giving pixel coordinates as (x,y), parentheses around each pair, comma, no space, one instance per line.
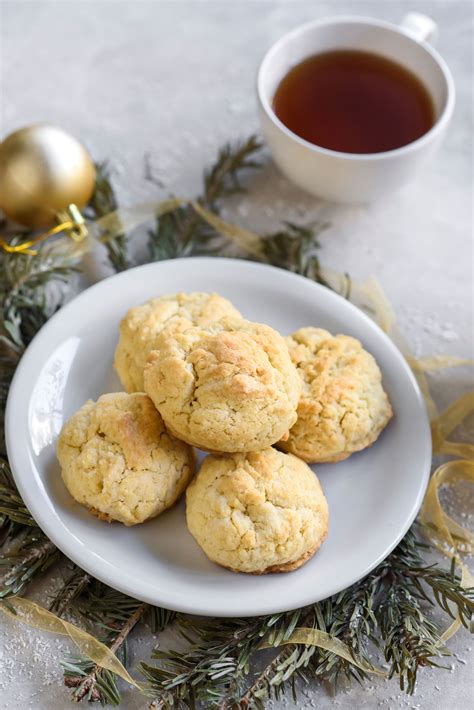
(373,496)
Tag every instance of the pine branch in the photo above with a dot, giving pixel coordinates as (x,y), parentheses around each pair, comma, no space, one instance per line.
(223,179)
(214,669)
(283,670)
(385,609)
(73,586)
(105,606)
(92,682)
(23,278)
(102,202)
(411,639)
(445,587)
(264,685)
(294,248)
(28,559)
(183,232)
(14,515)
(113,615)
(348,617)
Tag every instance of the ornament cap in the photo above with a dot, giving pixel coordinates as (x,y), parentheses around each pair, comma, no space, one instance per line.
(78,228)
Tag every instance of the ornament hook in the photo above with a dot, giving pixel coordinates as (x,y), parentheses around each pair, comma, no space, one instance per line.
(70,221)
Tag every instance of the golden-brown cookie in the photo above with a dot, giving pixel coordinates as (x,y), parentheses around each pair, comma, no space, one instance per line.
(142,325)
(228,387)
(118,460)
(343,407)
(259,512)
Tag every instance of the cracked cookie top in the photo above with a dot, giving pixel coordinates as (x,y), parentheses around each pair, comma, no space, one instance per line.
(118,459)
(142,324)
(343,407)
(228,387)
(258,512)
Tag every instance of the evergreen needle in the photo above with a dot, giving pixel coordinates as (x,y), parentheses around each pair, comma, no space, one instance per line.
(28,559)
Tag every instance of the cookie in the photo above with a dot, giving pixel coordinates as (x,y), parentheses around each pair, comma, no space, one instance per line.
(343,407)
(259,512)
(142,324)
(118,460)
(228,387)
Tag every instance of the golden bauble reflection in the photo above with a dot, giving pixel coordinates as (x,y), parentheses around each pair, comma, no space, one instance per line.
(43,169)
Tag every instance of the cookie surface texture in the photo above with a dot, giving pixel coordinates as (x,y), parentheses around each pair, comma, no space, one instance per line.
(119,461)
(258,513)
(343,407)
(230,387)
(142,324)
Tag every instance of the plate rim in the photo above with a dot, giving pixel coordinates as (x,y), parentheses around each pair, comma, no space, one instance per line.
(85,561)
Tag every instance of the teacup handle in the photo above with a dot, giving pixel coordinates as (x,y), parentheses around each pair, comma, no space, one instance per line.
(420,27)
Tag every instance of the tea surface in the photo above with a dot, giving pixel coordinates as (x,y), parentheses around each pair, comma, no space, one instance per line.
(354,102)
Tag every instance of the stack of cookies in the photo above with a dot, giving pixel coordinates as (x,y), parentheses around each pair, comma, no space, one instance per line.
(197,374)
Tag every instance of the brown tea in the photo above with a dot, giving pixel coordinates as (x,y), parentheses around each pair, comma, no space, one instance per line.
(355,102)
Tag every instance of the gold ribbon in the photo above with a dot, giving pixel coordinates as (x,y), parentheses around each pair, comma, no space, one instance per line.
(247,240)
(437,362)
(126,219)
(25,247)
(446,534)
(321,639)
(32,614)
(447,422)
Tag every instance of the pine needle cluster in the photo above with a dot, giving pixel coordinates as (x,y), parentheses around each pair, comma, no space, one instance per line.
(384,617)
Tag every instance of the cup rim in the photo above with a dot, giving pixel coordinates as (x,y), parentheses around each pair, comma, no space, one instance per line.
(442,120)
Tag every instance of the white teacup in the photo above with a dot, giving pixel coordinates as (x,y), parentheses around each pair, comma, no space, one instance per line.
(355,177)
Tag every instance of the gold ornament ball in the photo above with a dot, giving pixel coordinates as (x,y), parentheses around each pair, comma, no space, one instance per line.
(43,169)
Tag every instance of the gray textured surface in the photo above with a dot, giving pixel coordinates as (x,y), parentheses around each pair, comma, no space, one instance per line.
(173,80)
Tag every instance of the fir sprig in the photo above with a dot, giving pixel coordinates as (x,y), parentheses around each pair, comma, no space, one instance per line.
(410,639)
(29,558)
(214,668)
(386,610)
(74,584)
(112,616)
(294,248)
(223,179)
(14,515)
(90,681)
(182,232)
(103,605)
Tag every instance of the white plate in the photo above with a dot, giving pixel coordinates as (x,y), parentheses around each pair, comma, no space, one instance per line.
(373,496)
